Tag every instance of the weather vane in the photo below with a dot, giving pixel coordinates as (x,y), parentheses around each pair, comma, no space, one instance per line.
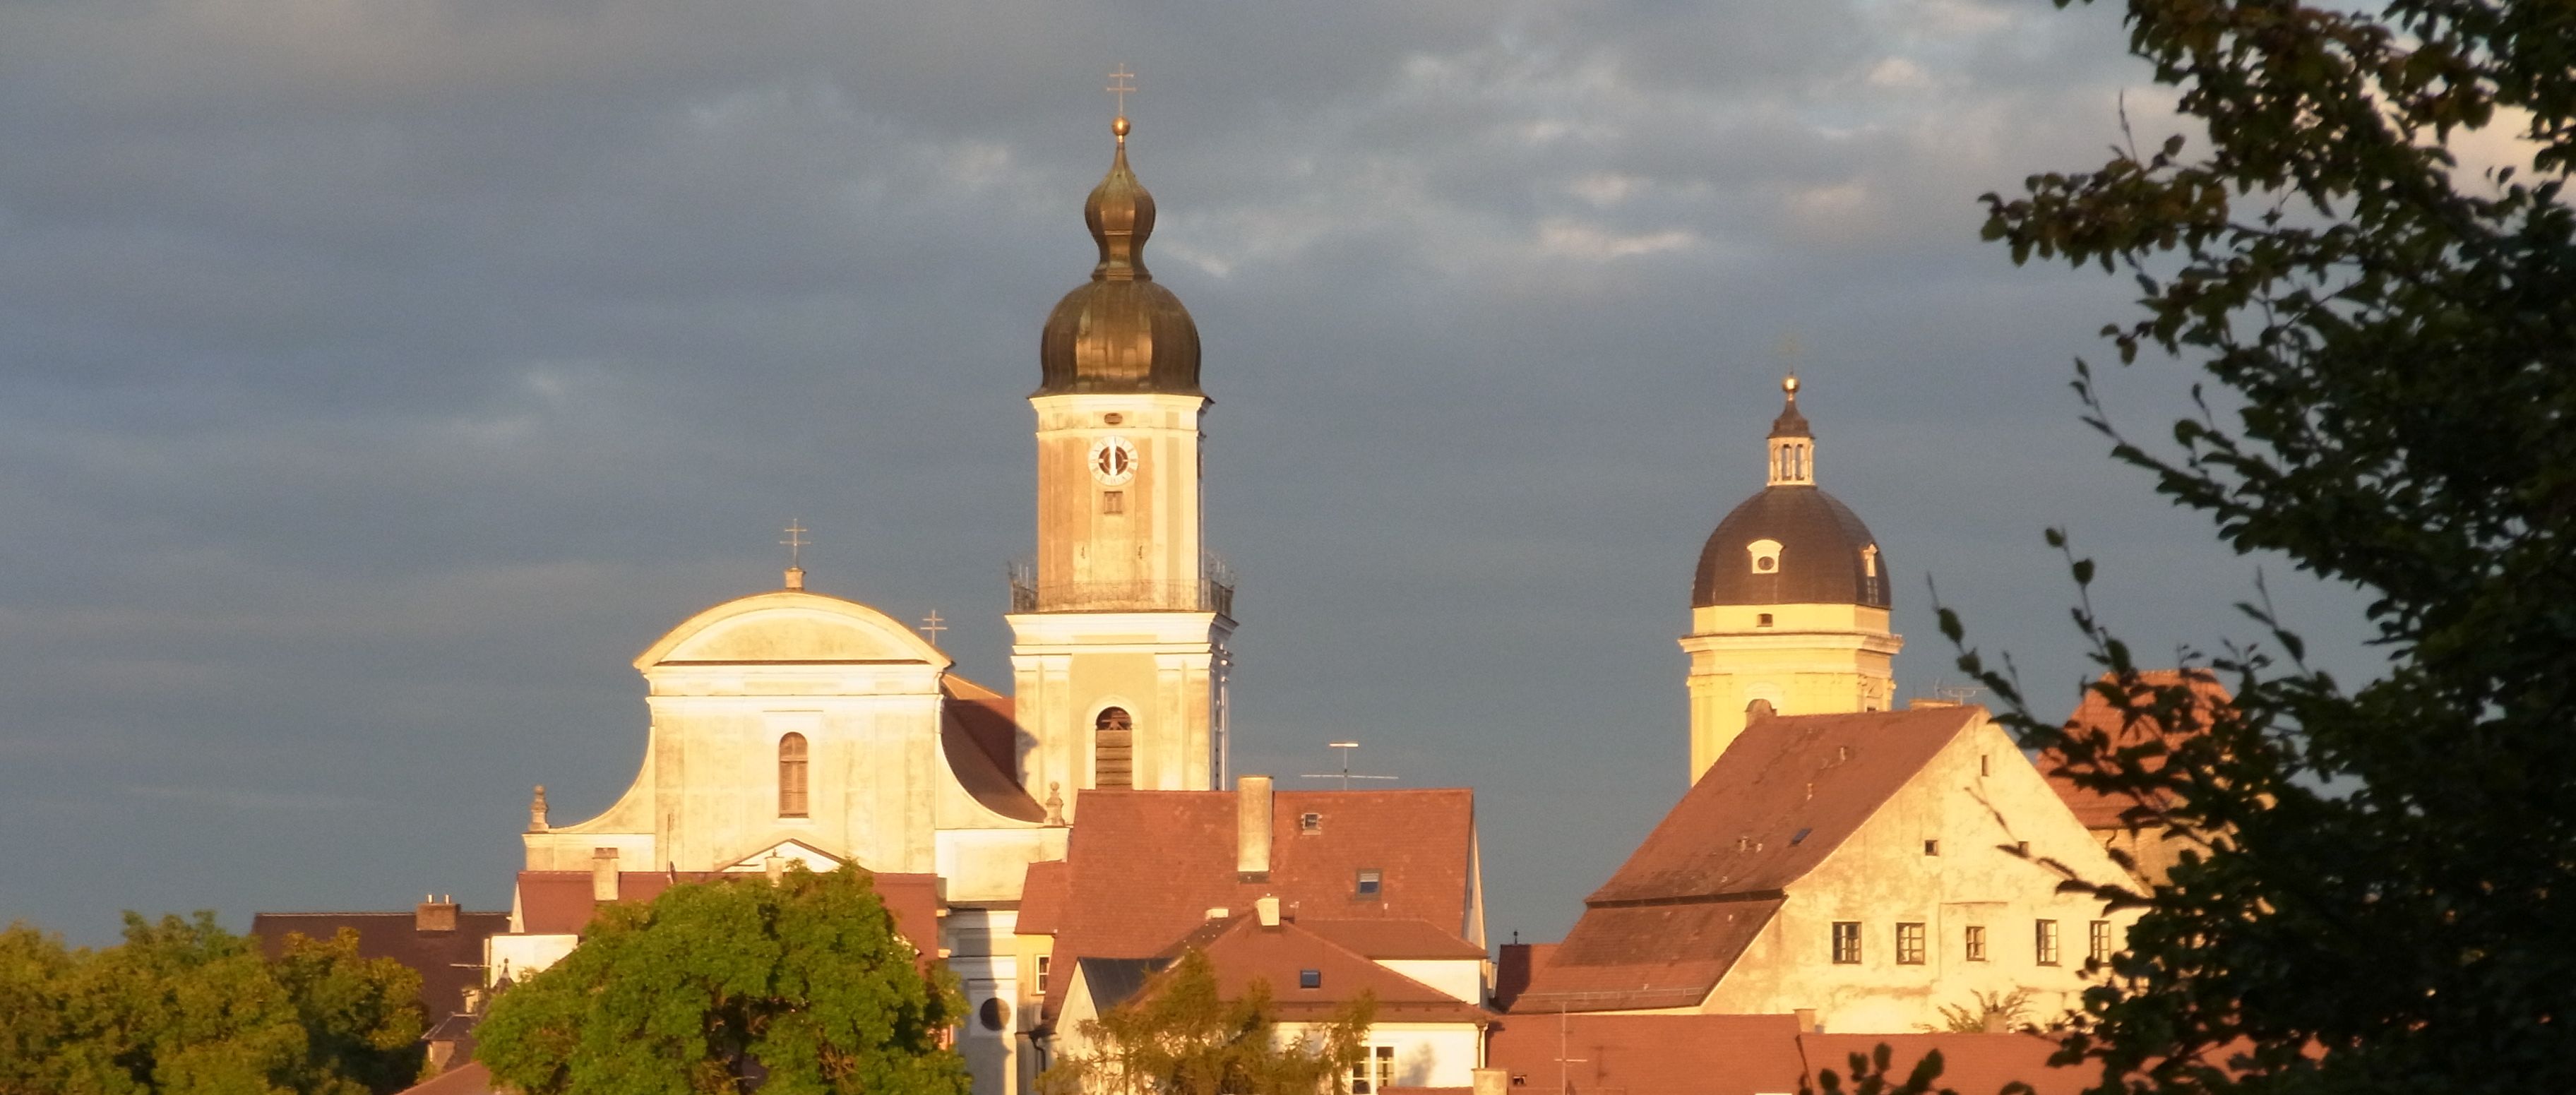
(1345,775)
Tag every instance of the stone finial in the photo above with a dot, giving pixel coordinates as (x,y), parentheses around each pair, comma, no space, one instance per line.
(1055,804)
(537,811)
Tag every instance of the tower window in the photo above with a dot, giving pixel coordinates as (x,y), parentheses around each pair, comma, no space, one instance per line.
(1113,501)
(1909,944)
(1762,620)
(1931,847)
(791,776)
(1369,884)
(1113,749)
(1847,942)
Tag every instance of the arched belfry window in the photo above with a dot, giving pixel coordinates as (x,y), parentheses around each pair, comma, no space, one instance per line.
(791,776)
(1113,749)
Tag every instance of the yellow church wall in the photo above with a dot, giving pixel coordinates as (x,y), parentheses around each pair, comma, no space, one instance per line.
(1811,659)
(1977,798)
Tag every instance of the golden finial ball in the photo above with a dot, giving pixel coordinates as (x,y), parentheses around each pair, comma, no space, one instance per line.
(1789,384)
(1119,127)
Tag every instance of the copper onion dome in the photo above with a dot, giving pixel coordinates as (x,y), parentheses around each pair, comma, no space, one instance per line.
(1121,332)
(1825,554)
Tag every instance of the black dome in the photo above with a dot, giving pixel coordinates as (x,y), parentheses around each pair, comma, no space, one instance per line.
(1824,554)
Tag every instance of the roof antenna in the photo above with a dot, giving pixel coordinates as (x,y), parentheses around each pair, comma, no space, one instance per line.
(1345,775)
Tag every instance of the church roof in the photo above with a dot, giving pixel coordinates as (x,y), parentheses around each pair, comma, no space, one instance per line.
(1820,559)
(791,626)
(979,737)
(1119,332)
(1144,867)
(1681,910)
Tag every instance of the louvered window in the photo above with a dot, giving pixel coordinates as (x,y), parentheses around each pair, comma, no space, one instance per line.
(1113,749)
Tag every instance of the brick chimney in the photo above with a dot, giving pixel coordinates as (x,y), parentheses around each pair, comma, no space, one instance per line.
(434,914)
(1268,908)
(603,874)
(1252,825)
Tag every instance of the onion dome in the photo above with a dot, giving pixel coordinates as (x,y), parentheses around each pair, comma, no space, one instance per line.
(1122,332)
(1792,543)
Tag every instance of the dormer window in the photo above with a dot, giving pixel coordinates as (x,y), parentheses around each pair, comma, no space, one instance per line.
(1764,556)
(1310,823)
(1310,979)
(1370,882)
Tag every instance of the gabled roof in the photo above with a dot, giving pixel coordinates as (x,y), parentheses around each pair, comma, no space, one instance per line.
(1650,1054)
(1042,894)
(1144,867)
(2099,810)
(1394,939)
(470,1078)
(449,962)
(1783,796)
(1242,950)
(560,903)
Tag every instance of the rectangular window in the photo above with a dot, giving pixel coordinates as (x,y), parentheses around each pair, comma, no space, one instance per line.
(1762,619)
(2101,941)
(1931,847)
(1976,942)
(2044,941)
(1374,1072)
(1846,942)
(1310,979)
(1909,944)
(791,776)
(1369,883)
(1113,501)
(1043,964)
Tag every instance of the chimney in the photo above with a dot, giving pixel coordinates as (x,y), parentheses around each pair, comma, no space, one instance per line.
(1807,1022)
(1252,825)
(1268,907)
(1491,1081)
(603,874)
(434,915)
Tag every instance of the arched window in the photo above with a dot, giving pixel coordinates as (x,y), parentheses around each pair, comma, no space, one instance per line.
(1113,749)
(791,776)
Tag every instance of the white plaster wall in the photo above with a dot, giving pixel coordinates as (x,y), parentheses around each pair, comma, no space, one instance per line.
(1426,1054)
(520,955)
(1461,978)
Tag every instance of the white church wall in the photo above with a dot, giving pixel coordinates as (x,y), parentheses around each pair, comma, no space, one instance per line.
(992,864)
(1461,978)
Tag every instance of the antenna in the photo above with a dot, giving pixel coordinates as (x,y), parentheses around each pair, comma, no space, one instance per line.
(1345,775)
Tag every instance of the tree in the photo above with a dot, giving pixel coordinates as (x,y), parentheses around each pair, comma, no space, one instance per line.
(183,1006)
(803,986)
(2382,886)
(1179,1037)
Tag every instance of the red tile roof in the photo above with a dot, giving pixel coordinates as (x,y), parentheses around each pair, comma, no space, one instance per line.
(1783,796)
(1513,969)
(559,902)
(1242,950)
(2099,810)
(1042,894)
(1649,1054)
(1144,867)
(1969,1062)
(1391,938)
(980,738)
(448,962)
(470,1078)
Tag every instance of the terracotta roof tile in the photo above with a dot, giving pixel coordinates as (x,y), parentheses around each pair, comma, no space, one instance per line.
(448,962)
(559,902)
(1969,1062)
(1145,866)
(470,1078)
(2096,809)
(1042,895)
(1649,1054)
(1783,796)
(1394,938)
(1242,950)
(1513,969)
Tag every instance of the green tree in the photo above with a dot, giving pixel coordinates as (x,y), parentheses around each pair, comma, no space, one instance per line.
(1178,1036)
(803,987)
(183,1006)
(2382,889)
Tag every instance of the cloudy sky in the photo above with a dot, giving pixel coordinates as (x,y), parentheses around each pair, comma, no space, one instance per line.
(377,379)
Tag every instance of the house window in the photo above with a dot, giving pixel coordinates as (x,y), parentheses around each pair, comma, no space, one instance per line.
(1113,749)
(2044,941)
(1374,1072)
(1310,979)
(1310,823)
(1369,883)
(1847,942)
(1985,765)
(1976,942)
(1044,962)
(1931,847)
(2100,941)
(791,776)
(1909,944)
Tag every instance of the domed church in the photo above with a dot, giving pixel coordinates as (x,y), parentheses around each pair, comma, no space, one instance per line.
(1790,603)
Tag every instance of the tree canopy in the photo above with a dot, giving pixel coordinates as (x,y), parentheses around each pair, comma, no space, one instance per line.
(183,1006)
(803,986)
(2382,887)
(1179,1036)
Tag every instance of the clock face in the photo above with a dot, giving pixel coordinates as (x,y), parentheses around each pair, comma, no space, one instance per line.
(1113,460)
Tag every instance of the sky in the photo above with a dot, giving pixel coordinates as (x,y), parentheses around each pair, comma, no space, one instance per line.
(376,380)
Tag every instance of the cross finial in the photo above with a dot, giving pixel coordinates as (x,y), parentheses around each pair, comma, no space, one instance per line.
(932,626)
(1121,84)
(795,543)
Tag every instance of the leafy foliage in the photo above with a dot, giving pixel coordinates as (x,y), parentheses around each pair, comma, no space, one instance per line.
(1986,1013)
(2381,882)
(1178,1037)
(803,987)
(182,1006)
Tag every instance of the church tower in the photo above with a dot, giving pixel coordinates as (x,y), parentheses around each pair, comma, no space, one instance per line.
(1790,605)
(1120,622)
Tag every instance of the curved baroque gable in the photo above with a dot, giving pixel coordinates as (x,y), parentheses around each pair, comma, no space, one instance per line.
(791,627)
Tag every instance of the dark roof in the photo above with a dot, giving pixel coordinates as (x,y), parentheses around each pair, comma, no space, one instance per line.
(1820,554)
(1120,332)
(980,738)
(1650,1054)
(560,903)
(1113,980)
(449,962)
(2099,810)
(1513,968)
(1788,791)
(1144,867)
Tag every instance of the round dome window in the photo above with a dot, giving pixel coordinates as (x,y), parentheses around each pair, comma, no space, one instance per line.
(1765,554)
(995,1014)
